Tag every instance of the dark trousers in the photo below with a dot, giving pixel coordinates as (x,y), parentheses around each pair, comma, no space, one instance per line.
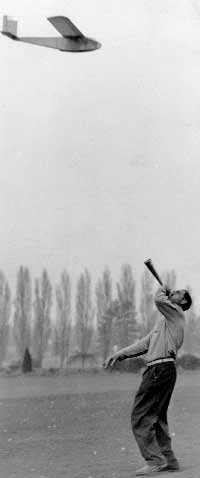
(149,414)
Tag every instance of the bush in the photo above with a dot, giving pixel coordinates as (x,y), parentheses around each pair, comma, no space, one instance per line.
(188,362)
(27,362)
(36,363)
(13,366)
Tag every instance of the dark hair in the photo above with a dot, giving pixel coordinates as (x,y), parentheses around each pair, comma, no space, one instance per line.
(188,298)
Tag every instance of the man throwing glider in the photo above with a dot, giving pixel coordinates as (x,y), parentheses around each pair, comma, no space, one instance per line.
(149,413)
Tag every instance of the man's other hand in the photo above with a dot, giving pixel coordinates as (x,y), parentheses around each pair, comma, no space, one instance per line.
(167,290)
(110,361)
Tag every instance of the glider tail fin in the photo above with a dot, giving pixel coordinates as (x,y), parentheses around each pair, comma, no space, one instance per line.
(9,27)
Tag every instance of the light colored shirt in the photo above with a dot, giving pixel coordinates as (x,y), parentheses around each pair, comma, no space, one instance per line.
(166,337)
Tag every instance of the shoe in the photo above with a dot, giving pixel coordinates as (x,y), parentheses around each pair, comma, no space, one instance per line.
(173,466)
(149,470)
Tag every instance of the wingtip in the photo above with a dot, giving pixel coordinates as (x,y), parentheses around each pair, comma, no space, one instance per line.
(57,17)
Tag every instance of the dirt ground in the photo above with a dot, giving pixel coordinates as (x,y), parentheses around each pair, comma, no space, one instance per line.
(78,426)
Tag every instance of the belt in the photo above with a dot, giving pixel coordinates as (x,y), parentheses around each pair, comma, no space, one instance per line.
(153,362)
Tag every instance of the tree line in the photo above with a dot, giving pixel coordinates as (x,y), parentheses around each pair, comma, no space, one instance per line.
(88,326)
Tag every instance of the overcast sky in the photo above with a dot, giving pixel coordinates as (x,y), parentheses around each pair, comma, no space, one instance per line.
(100,152)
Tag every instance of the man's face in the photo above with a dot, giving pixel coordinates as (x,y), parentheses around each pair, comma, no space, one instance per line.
(177,296)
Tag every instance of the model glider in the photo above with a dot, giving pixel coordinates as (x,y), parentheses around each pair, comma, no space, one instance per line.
(71,40)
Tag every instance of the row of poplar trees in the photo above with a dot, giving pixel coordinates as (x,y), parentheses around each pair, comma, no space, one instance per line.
(99,321)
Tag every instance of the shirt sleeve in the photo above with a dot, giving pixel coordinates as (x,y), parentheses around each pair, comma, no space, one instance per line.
(138,348)
(165,306)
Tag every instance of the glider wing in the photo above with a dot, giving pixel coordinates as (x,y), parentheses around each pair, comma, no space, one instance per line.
(65,27)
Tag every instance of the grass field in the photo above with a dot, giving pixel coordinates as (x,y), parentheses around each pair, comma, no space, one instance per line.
(78,426)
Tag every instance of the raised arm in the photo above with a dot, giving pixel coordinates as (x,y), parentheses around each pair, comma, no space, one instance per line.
(164,305)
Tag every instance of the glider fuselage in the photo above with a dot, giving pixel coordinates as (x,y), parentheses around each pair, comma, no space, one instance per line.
(78,44)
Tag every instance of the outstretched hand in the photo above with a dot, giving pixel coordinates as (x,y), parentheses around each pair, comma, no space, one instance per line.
(110,361)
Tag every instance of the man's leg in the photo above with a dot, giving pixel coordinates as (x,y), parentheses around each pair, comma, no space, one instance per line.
(164,441)
(144,417)
(161,426)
